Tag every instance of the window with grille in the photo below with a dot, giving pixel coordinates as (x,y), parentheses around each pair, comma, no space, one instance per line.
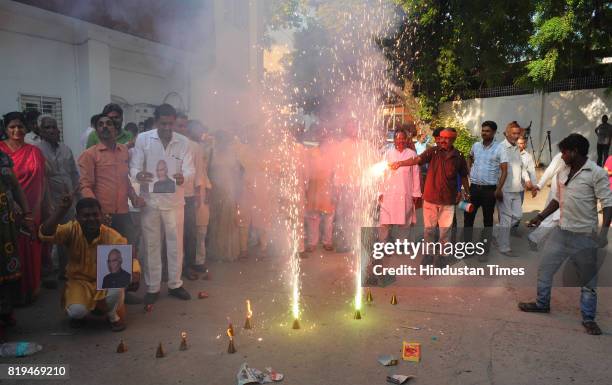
(45,105)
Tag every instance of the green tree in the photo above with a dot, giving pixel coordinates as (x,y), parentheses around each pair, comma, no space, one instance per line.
(465,140)
(570,38)
(330,55)
(447,47)
(282,14)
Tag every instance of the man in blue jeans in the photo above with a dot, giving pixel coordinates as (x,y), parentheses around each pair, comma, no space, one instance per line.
(579,187)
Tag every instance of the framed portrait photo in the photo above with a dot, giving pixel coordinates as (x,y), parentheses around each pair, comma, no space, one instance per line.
(114,266)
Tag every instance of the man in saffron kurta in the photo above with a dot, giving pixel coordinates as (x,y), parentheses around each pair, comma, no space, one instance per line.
(257,194)
(81,238)
(319,198)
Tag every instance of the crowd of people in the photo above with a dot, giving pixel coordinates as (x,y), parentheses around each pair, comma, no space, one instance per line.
(495,177)
(57,209)
(178,193)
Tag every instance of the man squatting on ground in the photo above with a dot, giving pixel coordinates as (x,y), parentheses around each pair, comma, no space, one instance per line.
(80,238)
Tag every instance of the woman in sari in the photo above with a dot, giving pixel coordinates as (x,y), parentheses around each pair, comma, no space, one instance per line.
(10,266)
(29,168)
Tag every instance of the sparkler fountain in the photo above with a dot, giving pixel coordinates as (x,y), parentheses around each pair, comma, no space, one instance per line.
(353,77)
(247,323)
(288,153)
(293,225)
(362,79)
(231,349)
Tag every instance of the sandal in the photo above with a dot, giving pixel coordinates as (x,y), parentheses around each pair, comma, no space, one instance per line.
(591,328)
(533,307)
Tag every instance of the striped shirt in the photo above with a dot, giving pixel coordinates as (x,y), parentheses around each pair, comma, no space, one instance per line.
(485,168)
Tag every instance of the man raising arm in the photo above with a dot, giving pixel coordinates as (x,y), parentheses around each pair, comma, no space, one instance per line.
(81,238)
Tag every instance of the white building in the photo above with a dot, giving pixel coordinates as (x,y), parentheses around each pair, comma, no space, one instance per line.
(72,68)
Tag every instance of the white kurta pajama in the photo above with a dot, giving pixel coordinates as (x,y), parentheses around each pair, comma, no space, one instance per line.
(510,209)
(398,190)
(539,234)
(162,209)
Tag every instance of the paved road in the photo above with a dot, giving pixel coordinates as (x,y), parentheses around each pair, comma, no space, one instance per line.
(468,335)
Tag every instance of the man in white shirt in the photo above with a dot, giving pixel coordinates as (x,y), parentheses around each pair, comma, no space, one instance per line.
(62,176)
(538,235)
(579,187)
(528,164)
(163,210)
(508,191)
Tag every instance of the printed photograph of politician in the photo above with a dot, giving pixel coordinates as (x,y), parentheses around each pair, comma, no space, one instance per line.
(162,169)
(114,269)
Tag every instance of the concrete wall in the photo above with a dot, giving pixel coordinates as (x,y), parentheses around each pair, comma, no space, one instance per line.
(27,64)
(87,66)
(562,113)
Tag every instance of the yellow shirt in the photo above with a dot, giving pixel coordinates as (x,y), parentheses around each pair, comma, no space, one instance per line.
(82,261)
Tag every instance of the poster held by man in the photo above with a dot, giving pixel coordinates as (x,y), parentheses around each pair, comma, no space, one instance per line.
(162,169)
(114,264)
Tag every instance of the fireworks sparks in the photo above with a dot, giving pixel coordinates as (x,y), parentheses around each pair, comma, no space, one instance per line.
(247,322)
(377,170)
(249,311)
(348,79)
